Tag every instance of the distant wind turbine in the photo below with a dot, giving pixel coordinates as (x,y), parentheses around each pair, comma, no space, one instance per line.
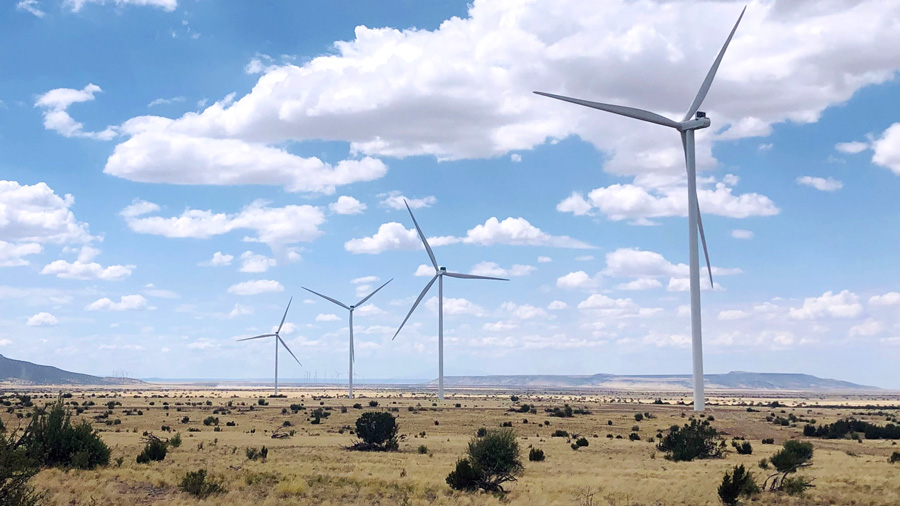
(686,127)
(350,308)
(439,273)
(278,339)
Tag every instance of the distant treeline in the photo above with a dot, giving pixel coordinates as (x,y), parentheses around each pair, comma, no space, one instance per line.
(842,428)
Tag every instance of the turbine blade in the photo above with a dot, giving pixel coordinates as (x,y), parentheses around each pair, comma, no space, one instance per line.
(360,303)
(280,340)
(413,308)
(699,219)
(256,337)
(471,276)
(704,88)
(326,298)
(621,110)
(285,315)
(703,241)
(422,236)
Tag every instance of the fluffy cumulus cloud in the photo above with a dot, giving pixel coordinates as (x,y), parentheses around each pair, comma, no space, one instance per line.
(347,205)
(456,306)
(166,5)
(126,302)
(87,270)
(13,255)
(272,225)
(829,184)
(511,231)
(31,6)
(463,90)
(556,305)
(524,311)
(494,270)
(327,318)
(55,104)
(742,234)
(640,284)
(42,319)
(636,263)
(887,149)
(256,287)
(35,213)
(829,305)
(577,280)
(253,262)
(396,200)
(888,299)
(634,202)
(218,259)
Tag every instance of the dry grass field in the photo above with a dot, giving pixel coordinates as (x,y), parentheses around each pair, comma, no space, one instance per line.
(313,466)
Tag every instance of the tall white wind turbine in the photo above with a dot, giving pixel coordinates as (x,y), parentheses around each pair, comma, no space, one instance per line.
(350,309)
(686,127)
(439,273)
(278,339)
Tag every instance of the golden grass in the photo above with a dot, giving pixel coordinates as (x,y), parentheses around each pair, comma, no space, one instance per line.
(313,467)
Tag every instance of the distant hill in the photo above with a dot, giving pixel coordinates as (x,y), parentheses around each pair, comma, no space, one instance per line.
(26,373)
(735,380)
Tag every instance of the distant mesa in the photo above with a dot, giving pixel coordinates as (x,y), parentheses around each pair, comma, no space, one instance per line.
(20,372)
(735,380)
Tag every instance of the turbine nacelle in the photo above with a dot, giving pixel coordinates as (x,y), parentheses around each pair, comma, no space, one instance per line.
(695,124)
(441,271)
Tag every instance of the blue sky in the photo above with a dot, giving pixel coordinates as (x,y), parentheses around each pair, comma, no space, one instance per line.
(173,171)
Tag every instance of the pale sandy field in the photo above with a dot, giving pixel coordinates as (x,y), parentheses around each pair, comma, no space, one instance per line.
(313,466)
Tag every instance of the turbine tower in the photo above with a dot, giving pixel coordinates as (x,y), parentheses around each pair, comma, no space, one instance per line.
(439,273)
(686,127)
(350,308)
(278,339)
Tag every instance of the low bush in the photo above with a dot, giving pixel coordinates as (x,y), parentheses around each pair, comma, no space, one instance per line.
(254,454)
(582,441)
(492,460)
(154,450)
(737,483)
(560,433)
(377,432)
(197,484)
(422,449)
(895,457)
(695,440)
(53,440)
(536,455)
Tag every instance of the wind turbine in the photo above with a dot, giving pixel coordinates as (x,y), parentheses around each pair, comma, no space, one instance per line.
(686,127)
(439,273)
(277,340)
(350,308)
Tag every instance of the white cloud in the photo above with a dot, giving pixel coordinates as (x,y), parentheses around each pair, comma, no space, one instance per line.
(640,284)
(887,149)
(819,183)
(390,236)
(364,279)
(218,260)
(55,104)
(766,146)
(835,305)
(395,199)
(456,306)
(126,302)
(155,155)
(635,202)
(741,234)
(152,291)
(204,343)
(577,279)
(424,270)
(635,263)
(166,5)
(733,314)
(494,270)
(524,311)
(604,306)
(557,305)
(544,260)
(499,326)
(42,319)
(327,318)
(684,285)
(272,225)
(240,310)
(867,328)
(888,299)
(35,213)
(851,148)
(165,101)
(347,205)
(515,158)
(256,287)
(252,262)
(90,270)
(31,6)
(13,255)
(5,342)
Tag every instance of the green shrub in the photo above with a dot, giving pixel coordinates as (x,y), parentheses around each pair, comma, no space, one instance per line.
(53,441)
(16,468)
(373,404)
(793,455)
(210,420)
(560,433)
(481,432)
(175,441)
(582,441)
(634,436)
(795,485)
(422,449)
(735,484)
(492,460)
(536,455)
(197,484)
(638,417)
(377,432)
(743,448)
(254,454)
(154,450)
(695,440)
(895,457)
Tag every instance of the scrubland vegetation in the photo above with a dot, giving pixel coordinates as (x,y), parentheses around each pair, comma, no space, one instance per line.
(185,447)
